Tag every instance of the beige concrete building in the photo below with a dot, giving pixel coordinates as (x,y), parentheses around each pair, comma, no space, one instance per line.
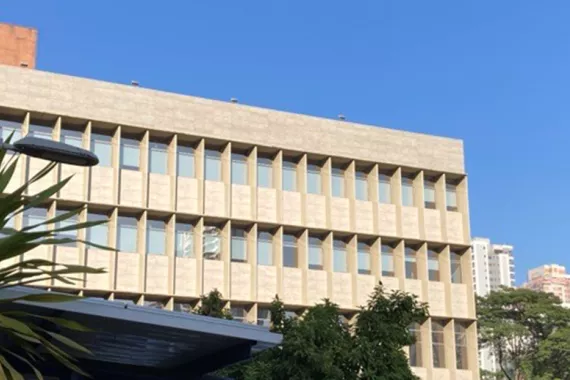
(550,279)
(203,194)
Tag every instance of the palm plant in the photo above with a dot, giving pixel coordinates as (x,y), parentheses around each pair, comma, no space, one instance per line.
(24,337)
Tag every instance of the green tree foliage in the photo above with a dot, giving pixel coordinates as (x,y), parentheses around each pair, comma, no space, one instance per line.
(212,305)
(319,346)
(24,337)
(553,356)
(521,327)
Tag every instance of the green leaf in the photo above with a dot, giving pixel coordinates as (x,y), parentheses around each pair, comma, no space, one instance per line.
(21,358)
(6,175)
(68,324)
(15,375)
(16,325)
(69,342)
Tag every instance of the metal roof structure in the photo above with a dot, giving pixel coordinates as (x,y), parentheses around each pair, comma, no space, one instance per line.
(136,342)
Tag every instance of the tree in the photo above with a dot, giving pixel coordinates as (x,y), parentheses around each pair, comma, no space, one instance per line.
(515,324)
(212,305)
(320,346)
(553,356)
(25,337)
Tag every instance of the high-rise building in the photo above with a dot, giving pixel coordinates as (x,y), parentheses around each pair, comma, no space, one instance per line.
(551,279)
(203,194)
(17,45)
(493,267)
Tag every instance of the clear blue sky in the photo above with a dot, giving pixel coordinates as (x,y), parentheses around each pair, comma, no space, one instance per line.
(493,73)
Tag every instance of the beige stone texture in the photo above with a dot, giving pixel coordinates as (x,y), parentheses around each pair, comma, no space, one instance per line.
(213,276)
(364,216)
(455,227)
(241,202)
(340,214)
(69,256)
(99,259)
(292,286)
(185,277)
(463,374)
(365,285)
(102,187)
(240,282)
(157,277)
(342,289)
(291,205)
(266,283)
(16,180)
(390,284)
(436,299)
(432,225)
(459,301)
(75,188)
(414,287)
(42,252)
(387,221)
(410,222)
(128,265)
(215,198)
(420,372)
(34,166)
(440,373)
(159,190)
(315,206)
(187,195)
(316,286)
(266,204)
(132,185)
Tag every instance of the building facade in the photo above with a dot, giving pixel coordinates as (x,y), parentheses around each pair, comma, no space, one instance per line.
(550,279)
(203,194)
(18,45)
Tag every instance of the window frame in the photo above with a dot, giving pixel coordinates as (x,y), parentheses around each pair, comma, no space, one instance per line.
(213,156)
(336,250)
(314,171)
(266,164)
(311,246)
(238,235)
(155,147)
(239,161)
(430,188)
(414,272)
(433,257)
(129,142)
(360,255)
(270,243)
(438,343)
(408,186)
(361,192)
(289,244)
(289,166)
(383,254)
(179,228)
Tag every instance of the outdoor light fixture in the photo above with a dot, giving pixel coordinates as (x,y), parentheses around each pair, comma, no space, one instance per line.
(52,151)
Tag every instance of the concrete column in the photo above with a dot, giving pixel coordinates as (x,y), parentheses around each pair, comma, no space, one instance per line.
(252,180)
(328,261)
(419,202)
(374,196)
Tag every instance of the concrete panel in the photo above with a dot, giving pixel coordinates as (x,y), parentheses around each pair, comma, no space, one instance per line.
(459,301)
(316,211)
(241,202)
(185,277)
(387,221)
(390,284)
(365,286)
(266,283)
(410,222)
(414,287)
(75,188)
(440,373)
(342,289)
(16,180)
(34,166)
(42,252)
(132,188)
(292,286)
(463,374)
(240,281)
(291,208)
(364,216)
(455,227)
(102,187)
(213,276)
(215,198)
(159,191)
(432,224)
(99,259)
(436,299)
(340,214)
(266,204)
(420,372)
(128,270)
(316,286)
(70,256)
(187,195)
(157,277)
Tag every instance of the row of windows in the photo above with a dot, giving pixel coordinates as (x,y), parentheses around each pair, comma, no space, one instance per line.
(438,345)
(129,158)
(157,234)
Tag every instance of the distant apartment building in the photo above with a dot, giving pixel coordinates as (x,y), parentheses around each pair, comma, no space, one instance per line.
(551,279)
(493,266)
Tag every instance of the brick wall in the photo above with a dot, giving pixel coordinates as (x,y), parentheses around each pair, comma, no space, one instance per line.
(17,45)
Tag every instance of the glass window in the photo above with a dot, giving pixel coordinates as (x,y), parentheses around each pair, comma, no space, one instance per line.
(451,197)
(158,158)
(361,186)
(155,237)
(433,265)
(429,194)
(340,263)
(7,127)
(290,251)
(40,131)
(102,147)
(407,191)
(315,253)
(184,236)
(127,234)
(461,345)
(264,248)
(387,261)
(239,169)
(264,172)
(130,154)
(337,182)
(213,165)
(10,223)
(313,179)
(34,216)
(411,263)
(72,137)
(289,176)
(98,234)
(455,261)
(363,258)
(185,162)
(384,189)
(263,317)
(153,304)
(438,344)
(212,243)
(239,313)
(183,307)
(239,245)
(416,347)
(72,234)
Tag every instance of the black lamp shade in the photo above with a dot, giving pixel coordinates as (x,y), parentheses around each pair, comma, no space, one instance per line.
(55,151)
